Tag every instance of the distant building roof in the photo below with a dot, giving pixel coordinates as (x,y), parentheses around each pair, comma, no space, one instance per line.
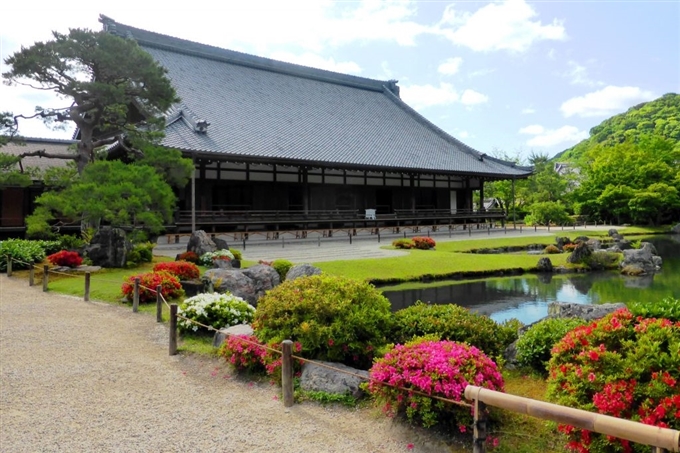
(246,106)
(50,145)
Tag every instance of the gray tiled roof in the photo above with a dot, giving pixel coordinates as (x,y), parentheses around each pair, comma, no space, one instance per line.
(265,109)
(52,146)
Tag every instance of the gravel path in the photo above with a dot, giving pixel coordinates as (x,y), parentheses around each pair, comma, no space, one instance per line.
(92,377)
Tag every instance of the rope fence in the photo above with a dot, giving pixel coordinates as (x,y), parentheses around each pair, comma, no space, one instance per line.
(661,439)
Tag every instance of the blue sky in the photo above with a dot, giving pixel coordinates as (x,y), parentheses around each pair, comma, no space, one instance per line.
(510,76)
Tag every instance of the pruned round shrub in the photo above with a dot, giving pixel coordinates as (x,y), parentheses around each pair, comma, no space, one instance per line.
(170,286)
(620,365)
(423,242)
(207,259)
(190,256)
(334,318)
(534,346)
(23,252)
(551,250)
(183,270)
(402,243)
(237,254)
(282,267)
(452,322)
(214,309)
(438,368)
(65,258)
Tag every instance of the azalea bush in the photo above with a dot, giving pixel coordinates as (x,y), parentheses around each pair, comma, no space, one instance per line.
(170,286)
(668,308)
(207,259)
(423,242)
(65,258)
(621,365)
(438,368)
(282,267)
(214,309)
(183,270)
(568,247)
(247,353)
(534,345)
(455,323)
(191,257)
(334,318)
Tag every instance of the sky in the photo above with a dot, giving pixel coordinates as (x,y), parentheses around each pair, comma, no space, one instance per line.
(510,77)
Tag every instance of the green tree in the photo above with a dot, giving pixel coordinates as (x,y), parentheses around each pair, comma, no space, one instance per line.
(111,85)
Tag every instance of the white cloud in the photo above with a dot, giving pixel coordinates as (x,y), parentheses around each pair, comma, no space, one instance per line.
(317,61)
(472,97)
(607,101)
(481,72)
(450,66)
(578,75)
(534,129)
(528,111)
(504,25)
(551,54)
(463,134)
(551,137)
(423,96)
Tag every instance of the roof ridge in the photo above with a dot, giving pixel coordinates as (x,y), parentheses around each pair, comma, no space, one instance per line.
(46,140)
(167,42)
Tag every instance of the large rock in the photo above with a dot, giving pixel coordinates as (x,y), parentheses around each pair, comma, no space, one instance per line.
(222,334)
(109,248)
(586,312)
(562,241)
(642,258)
(676,229)
(200,243)
(302,270)
(221,244)
(321,379)
(580,253)
(249,284)
(650,246)
(612,232)
(594,244)
(544,265)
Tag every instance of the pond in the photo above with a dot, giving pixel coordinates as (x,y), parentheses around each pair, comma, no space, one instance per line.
(527,297)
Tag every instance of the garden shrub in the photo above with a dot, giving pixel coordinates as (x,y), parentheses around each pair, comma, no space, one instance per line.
(334,318)
(602,260)
(402,243)
(65,258)
(534,346)
(423,242)
(23,252)
(191,257)
(183,270)
(214,309)
(568,247)
(551,250)
(668,308)
(145,251)
(71,242)
(282,267)
(247,353)
(451,322)
(170,286)
(207,259)
(237,254)
(438,368)
(620,365)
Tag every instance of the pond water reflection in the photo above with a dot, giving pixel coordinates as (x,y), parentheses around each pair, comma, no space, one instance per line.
(527,297)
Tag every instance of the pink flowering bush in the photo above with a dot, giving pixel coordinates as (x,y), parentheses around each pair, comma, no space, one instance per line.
(620,365)
(439,368)
(247,353)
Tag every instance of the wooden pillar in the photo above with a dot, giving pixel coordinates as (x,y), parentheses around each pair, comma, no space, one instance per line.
(287,372)
(481,194)
(193,194)
(514,221)
(305,190)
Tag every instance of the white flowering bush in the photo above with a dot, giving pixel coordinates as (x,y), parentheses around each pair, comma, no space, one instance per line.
(207,258)
(214,309)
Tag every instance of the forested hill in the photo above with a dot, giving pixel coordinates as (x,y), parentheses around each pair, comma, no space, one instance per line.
(660,117)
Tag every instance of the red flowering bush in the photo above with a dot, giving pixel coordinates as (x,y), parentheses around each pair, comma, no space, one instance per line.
(568,247)
(183,270)
(170,286)
(248,353)
(439,368)
(65,258)
(191,257)
(423,242)
(620,365)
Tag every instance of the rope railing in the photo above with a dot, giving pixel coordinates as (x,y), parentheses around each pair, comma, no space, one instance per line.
(661,439)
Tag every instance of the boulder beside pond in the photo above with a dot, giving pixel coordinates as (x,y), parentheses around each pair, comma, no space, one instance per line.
(321,379)
(643,259)
(544,265)
(582,311)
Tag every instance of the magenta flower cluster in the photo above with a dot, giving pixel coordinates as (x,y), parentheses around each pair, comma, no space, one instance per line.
(440,368)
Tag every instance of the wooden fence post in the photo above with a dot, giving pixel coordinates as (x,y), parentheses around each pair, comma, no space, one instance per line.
(135,296)
(159,301)
(173,329)
(31,275)
(287,372)
(87,287)
(479,428)
(9,266)
(46,274)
